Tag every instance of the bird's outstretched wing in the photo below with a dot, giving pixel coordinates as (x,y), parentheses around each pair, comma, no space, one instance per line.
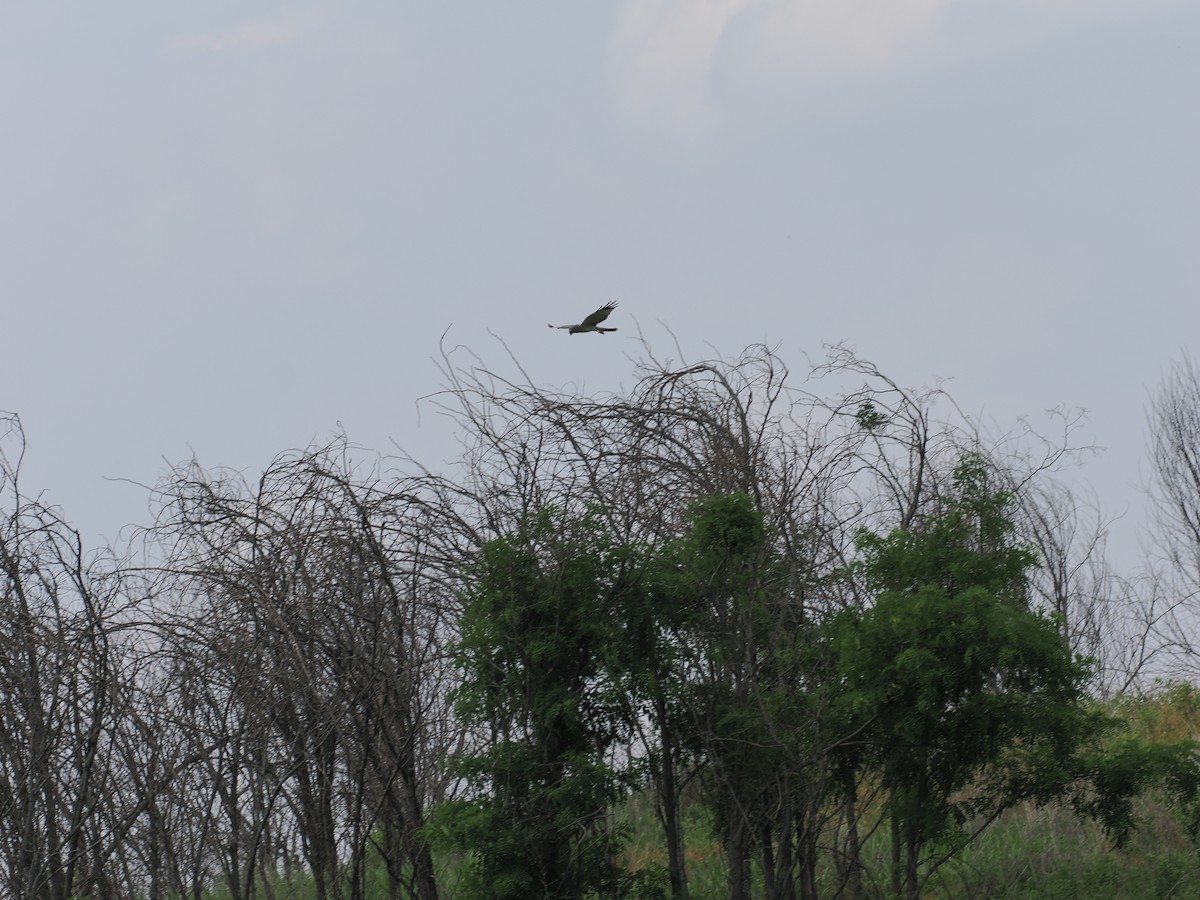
(592,322)
(598,316)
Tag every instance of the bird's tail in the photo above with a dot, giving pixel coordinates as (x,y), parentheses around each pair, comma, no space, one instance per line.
(602,330)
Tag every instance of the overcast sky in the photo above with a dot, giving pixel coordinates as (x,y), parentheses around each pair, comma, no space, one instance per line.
(227,227)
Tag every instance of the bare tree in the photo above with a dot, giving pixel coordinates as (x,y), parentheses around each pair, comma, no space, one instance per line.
(64,680)
(311,649)
(1171,587)
(1174,424)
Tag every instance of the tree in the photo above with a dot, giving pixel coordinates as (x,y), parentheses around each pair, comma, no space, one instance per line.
(648,664)
(969,700)
(305,633)
(1175,456)
(802,598)
(536,634)
(1173,422)
(67,701)
(748,670)
(746,641)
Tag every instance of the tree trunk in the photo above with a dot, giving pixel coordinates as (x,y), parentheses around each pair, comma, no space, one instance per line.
(668,809)
(913,849)
(853,876)
(737,852)
(897,879)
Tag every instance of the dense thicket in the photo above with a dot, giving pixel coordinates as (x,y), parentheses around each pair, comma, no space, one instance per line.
(823,609)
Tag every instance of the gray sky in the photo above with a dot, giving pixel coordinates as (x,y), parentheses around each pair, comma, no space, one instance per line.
(227,227)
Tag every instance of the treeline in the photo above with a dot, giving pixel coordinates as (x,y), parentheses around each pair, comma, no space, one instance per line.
(829,608)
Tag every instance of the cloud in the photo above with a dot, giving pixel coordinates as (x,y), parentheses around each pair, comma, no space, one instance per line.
(666,47)
(663,53)
(841,36)
(253,34)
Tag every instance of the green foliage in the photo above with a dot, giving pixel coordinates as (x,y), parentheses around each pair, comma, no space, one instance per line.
(954,681)
(757,689)
(969,703)
(869,417)
(535,628)
(967,544)
(948,692)
(535,634)
(1131,766)
(727,531)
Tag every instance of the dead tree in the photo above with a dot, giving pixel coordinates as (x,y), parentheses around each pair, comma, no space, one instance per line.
(309,623)
(64,681)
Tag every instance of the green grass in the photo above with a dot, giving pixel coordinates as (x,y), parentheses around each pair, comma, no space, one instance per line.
(1050,854)
(1030,853)
(646,849)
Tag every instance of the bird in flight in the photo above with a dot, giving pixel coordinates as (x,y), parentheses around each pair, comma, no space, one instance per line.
(592,322)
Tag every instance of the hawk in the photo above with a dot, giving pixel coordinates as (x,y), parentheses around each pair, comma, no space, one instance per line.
(592,322)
